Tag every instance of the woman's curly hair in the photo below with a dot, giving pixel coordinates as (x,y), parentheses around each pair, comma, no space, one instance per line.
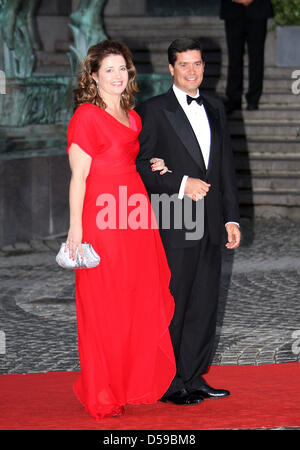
(87,91)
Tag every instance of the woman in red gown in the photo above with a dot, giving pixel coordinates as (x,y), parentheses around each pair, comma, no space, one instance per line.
(124,305)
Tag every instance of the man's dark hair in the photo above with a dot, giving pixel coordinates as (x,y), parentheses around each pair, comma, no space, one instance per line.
(182,45)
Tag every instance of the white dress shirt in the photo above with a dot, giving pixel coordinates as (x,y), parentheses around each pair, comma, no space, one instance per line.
(199,122)
(197,117)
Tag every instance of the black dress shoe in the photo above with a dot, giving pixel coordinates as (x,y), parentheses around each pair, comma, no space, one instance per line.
(252,107)
(208,392)
(183,397)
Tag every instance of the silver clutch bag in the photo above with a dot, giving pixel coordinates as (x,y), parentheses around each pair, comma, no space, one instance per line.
(89,260)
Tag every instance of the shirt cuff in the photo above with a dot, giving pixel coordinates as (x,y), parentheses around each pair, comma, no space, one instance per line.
(182,187)
(236,223)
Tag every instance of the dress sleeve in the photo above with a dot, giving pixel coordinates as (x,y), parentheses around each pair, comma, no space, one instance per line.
(135,121)
(81,130)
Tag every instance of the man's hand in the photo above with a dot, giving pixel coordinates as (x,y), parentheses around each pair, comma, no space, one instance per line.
(196,189)
(234,236)
(244,2)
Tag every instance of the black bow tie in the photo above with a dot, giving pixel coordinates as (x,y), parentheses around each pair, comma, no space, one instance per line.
(199,100)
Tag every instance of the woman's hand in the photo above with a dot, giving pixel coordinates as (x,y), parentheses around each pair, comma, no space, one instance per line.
(159,164)
(74,241)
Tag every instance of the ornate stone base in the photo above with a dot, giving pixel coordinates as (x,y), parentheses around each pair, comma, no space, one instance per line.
(38,99)
(48,99)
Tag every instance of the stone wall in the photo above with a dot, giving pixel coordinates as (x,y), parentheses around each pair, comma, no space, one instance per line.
(34,197)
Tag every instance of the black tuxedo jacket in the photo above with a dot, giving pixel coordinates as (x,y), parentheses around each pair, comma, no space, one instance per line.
(167,134)
(258,9)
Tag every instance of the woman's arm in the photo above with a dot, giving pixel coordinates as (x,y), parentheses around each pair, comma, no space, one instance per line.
(80,163)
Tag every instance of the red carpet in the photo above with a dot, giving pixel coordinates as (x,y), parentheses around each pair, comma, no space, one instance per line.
(261,397)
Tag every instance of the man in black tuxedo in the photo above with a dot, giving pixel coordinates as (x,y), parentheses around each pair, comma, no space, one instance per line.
(190,133)
(245,23)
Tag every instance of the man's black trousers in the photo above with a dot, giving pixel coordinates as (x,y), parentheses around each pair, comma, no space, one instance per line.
(195,279)
(240,32)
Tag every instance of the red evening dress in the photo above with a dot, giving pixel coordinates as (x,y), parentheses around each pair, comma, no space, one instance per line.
(124,305)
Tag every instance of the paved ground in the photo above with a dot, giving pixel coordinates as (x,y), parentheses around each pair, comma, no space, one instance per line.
(259,314)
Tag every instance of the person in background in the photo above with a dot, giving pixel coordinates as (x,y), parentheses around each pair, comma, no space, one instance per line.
(245,23)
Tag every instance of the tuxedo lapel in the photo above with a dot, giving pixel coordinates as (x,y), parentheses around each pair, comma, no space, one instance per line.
(213,119)
(182,127)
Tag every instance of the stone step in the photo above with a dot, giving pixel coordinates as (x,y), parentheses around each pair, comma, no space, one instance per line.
(257,128)
(253,120)
(261,180)
(168,34)
(279,106)
(271,144)
(276,114)
(266,165)
(155,22)
(153,43)
(270,197)
(270,72)
(267,162)
(270,85)
(164,27)
(157,51)
(158,46)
